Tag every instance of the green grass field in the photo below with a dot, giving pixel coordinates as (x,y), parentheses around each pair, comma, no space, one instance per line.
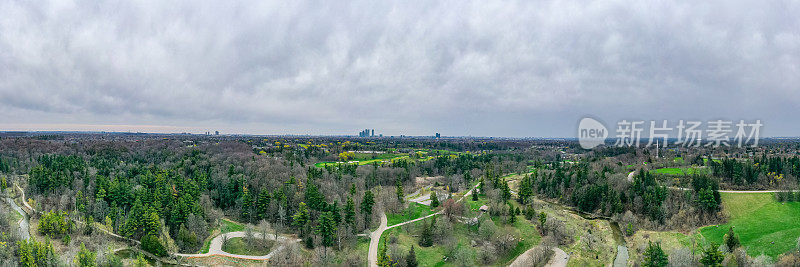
(230,226)
(237,245)
(369,158)
(764,225)
(414,210)
(680,171)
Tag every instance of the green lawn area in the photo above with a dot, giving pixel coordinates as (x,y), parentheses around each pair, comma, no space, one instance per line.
(764,225)
(237,245)
(367,162)
(669,241)
(680,171)
(230,226)
(413,211)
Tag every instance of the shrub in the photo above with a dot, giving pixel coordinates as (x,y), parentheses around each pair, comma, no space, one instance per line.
(152,244)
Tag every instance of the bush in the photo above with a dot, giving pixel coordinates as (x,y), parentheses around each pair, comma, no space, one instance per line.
(152,244)
(654,256)
(55,224)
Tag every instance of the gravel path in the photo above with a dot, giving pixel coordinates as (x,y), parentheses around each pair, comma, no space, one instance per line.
(374,241)
(24,226)
(559,259)
(216,247)
(375,236)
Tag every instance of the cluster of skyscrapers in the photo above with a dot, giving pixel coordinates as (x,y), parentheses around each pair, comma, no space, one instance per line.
(367,133)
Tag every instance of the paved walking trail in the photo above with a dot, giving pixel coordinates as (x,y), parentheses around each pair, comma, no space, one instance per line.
(375,236)
(216,247)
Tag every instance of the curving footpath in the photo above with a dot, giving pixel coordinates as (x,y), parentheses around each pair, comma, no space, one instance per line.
(375,236)
(216,247)
(24,227)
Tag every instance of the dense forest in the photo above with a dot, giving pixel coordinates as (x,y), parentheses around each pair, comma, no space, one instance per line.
(169,194)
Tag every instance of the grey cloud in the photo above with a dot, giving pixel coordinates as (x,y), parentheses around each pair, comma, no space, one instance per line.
(410,67)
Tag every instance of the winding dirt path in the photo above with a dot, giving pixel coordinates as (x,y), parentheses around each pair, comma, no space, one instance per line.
(375,236)
(374,241)
(559,259)
(216,247)
(24,225)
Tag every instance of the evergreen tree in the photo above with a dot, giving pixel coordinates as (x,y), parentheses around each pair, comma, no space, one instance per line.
(512,215)
(152,244)
(529,213)
(314,197)
(85,258)
(246,204)
(654,256)
(327,229)
(262,203)
(383,259)
(350,212)
(426,237)
(434,200)
(301,217)
(399,190)
(411,259)
(366,207)
(731,239)
(334,209)
(712,256)
(506,191)
(542,221)
(475,196)
(525,189)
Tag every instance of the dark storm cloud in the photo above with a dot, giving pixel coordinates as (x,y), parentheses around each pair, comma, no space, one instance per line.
(527,68)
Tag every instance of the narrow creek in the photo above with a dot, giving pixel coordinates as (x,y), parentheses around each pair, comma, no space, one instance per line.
(24,225)
(621,259)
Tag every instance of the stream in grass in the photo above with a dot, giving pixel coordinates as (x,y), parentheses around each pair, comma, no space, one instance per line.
(24,228)
(621,259)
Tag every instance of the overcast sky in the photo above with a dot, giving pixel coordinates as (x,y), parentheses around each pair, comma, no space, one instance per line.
(481,68)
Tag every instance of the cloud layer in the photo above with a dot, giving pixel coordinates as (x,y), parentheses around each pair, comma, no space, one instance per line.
(527,68)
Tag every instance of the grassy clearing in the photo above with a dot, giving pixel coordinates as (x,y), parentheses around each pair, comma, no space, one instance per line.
(228,226)
(764,225)
(593,244)
(413,211)
(681,171)
(670,241)
(237,245)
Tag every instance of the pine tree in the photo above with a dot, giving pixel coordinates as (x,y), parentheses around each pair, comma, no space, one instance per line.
(262,204)
(712,256)
(654,256)
(512,215)
(301,217)
(411,259)
(85,258)
(314,198)
(525,189)
(474,196)
(366,207)
(399,190)
(327,229)
(350,212)
(334,209)
(529,213)
(246,204)
(731,239)
(383,259)
(426,237)
(434,200)
(506,191)
(542,221)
